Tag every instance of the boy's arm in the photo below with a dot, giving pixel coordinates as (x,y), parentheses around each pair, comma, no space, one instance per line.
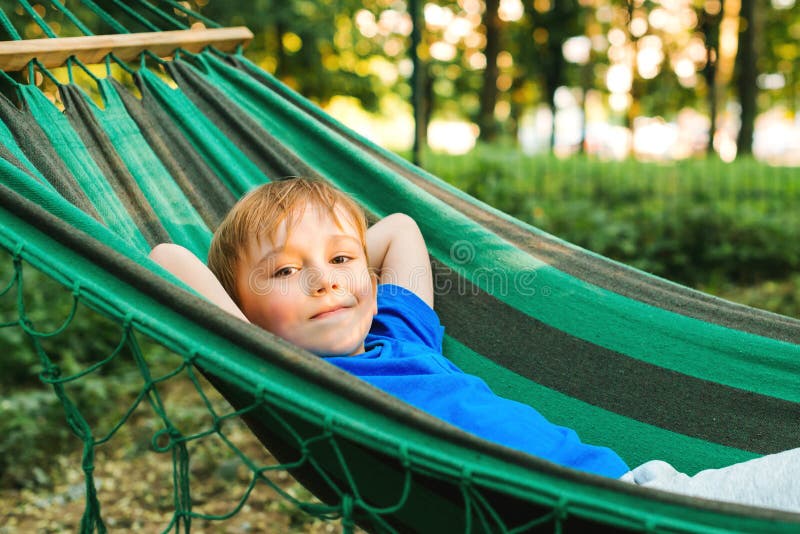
(188,268)
(398,255)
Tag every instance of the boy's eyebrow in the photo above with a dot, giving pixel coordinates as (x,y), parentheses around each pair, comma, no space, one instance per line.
(278,250)
(270,253)
(346,236)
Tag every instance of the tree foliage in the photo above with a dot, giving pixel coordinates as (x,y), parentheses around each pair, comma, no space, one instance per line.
(489,60)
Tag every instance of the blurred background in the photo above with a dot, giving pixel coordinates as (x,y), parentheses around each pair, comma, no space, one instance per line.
(660,133)
(657,80)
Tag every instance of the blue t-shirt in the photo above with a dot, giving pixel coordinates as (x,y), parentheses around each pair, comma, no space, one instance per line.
(403,357)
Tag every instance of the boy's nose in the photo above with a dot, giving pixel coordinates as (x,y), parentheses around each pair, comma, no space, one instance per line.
(321,281)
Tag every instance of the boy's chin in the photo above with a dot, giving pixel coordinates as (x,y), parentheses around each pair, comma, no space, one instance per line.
(338,352)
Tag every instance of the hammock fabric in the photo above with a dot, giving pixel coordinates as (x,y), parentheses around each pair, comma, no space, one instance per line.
(647,367)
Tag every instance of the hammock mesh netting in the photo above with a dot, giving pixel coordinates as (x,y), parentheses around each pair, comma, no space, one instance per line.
(647,367)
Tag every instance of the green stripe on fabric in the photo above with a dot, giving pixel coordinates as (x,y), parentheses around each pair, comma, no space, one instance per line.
(686,345)
(95,138)
(180,219)
(73,152)
(598,376)
(209,196)
(259,145)
(10,144)
(239,173)
(30,138)
(636,442)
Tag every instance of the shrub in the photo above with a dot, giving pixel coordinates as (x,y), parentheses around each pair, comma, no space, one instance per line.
(692,222)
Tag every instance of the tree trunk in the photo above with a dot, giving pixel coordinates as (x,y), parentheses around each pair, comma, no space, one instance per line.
(635,94)
(554,63)
(489,92)
(587,72)
(280,51)
(420,97)
(553,79)
(746,79)
(710,27)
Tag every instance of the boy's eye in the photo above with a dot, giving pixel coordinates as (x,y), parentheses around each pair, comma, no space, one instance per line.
(284,271)
(340,259)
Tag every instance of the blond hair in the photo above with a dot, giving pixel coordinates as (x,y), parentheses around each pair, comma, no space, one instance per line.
(259,214)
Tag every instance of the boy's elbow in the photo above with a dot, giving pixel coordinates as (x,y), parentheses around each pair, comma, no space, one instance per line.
(165,254)
(405,224)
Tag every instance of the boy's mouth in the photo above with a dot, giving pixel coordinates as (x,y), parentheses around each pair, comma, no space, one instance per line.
(329,312)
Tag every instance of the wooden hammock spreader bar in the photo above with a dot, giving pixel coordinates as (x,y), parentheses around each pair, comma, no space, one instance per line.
(15,55)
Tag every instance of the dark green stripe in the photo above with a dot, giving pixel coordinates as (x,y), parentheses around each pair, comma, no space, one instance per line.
(202,187)
(111,165)
(37,148)
(259,145)
(72,152)
(610,380)
(226,159)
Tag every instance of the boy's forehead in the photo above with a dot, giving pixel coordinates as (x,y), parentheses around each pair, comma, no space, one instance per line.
(306,218)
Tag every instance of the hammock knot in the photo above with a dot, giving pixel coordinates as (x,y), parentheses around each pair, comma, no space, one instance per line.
(50,373)
(17,252)
(165,439)
(327,425)
(76,289)
(561,511)
(405,457)
(127,321)
(191,358)
(261,395)
(466,478)
(347,512)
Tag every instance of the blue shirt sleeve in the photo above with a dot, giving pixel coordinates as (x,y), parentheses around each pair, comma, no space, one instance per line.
(405,317)
(403,357)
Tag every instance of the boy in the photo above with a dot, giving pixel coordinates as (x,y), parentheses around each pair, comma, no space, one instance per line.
(295,258)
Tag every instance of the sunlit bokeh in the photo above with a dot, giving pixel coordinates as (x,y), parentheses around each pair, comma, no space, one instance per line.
(577,49)
(452,137)
(510,10)
(392,128)
(662,41)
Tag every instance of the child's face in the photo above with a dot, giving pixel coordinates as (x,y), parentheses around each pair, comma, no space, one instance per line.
(311,285)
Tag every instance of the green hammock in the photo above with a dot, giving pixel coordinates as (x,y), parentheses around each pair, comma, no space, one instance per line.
(647,367)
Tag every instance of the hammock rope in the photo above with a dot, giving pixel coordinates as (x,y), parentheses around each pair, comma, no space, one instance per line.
(71,17)
(37,19)
(170,439)
(193,14)
(138,17)
(171,21)
(113,23)
(8,27)
(90,190)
